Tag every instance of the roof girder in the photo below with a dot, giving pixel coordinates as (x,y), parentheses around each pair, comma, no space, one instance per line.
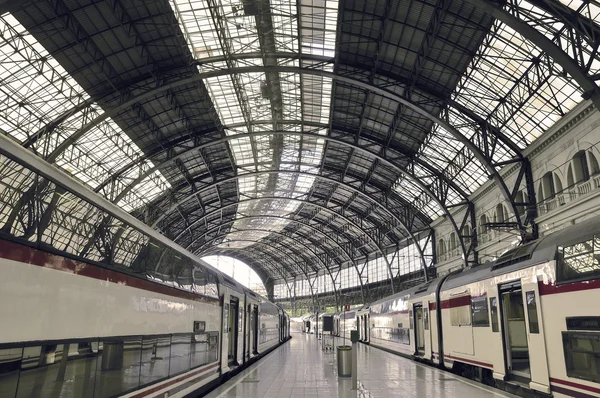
(269,241)
(335,213)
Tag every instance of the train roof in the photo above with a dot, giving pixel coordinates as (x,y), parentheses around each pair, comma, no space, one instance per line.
(530,254)
(423,289)
(230,282)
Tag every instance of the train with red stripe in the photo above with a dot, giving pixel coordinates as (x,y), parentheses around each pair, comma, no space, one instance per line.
(71,328)
(528,322)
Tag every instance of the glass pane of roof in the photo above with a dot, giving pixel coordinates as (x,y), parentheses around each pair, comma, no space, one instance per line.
(230,28)
(36,90)
(513,85)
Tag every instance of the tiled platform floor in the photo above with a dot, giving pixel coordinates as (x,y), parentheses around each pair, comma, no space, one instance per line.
(300,369)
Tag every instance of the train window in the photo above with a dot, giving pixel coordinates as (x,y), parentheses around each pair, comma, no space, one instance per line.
(479,311)
(579,261)
(532,312)
(10,362)
(582,355)
(494,313)
(460,316)
(426,318)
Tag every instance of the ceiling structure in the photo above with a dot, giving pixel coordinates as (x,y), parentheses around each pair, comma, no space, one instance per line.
(300,137)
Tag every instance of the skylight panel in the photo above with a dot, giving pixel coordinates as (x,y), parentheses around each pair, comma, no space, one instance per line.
(36,90)
(249,97)
(516,87)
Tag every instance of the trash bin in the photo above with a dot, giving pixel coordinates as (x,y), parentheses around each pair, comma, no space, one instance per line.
(344,360)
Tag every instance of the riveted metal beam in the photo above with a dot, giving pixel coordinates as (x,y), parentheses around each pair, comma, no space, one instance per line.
(291,247)
(374,201)
(298,222)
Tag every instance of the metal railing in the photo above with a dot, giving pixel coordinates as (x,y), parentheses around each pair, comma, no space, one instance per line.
(569,195)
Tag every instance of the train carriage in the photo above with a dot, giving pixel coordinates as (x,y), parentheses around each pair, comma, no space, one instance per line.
(152,337)
(527,322)
(393,321)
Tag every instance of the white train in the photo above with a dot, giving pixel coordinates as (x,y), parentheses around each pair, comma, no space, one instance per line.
(123,335)
(344,323)
(528,323)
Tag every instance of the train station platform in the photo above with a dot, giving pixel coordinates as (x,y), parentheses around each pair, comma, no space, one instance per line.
(301,369)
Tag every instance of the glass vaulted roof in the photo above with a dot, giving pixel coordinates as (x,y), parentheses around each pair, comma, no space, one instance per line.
(302,135)
(227,30)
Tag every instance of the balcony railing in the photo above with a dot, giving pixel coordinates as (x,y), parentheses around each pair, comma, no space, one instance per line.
(569,195)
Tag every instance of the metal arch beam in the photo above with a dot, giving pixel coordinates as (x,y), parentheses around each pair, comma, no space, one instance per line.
(357,148)
(286,55)
(286,69)
(298,222)
(345,186)
(392,96)
(271,260)
(273,255)
(272,69)
(570,66)
(252,263)
(291,248)
(285,237)
(402,224)
(417,181)
(478,154)
(267,250)
(352,145)
(263,275)
(350,222)
(291,220)
(264,256)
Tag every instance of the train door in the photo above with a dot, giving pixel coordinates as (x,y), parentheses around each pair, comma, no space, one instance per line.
(255,330)
(232,328)
(538,361)
(419,329)
(249,332)
(514,331)
(241,331)
(358,327)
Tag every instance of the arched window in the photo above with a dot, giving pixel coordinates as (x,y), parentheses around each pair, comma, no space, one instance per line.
(441,248)
(483,224)
(548,188)
(540,192)
(452,244)
(500,213)
(581,172)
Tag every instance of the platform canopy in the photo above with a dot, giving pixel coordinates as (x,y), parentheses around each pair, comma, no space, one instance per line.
(299,137)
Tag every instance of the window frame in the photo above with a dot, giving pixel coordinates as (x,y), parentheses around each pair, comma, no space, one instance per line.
(561,279)
(494,314)
(568,349)
(532,309)
(480,299)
